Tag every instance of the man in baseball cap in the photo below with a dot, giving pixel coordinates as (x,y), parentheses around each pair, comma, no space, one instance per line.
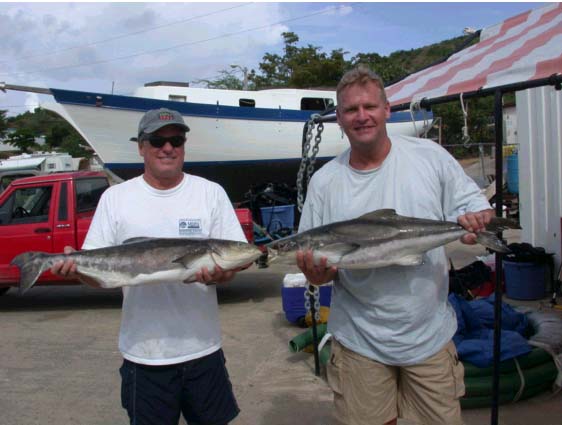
(170,337)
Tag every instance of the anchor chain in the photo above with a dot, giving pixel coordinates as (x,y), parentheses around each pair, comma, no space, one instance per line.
(302,179)
(315,292)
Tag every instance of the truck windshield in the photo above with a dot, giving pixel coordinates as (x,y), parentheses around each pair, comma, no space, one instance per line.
(27,205)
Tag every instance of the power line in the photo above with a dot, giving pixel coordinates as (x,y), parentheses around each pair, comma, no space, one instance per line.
(99,62)
(118,37)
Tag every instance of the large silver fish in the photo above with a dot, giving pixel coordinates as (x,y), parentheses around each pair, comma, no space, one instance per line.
(378,239)
(140,261)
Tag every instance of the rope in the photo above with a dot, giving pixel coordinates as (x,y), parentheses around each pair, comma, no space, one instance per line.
(522,379)
(414,104)
(465,136)
(324,340)
(557,358)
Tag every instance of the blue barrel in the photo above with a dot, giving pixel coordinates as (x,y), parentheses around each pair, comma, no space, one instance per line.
(524,281)
(513,173)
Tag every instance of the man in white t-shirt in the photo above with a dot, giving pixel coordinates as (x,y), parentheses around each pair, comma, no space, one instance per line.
(170,334)
(392,354)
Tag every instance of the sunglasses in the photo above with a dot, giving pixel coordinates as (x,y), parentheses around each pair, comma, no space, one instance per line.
(159,141)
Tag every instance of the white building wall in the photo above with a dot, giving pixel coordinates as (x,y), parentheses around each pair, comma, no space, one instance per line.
(539,122)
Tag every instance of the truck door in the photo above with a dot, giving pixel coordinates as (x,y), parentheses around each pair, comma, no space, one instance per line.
(26,224)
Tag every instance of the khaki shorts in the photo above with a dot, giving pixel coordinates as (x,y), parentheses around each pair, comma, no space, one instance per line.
(367,392)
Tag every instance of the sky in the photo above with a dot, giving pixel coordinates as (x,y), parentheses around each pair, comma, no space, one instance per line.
(101,47)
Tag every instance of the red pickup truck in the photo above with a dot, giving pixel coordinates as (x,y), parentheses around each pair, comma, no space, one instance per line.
(46,213)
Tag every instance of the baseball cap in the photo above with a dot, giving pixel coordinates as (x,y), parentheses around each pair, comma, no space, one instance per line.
(154,119)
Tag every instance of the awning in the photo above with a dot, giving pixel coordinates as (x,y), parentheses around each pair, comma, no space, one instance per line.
(523,48)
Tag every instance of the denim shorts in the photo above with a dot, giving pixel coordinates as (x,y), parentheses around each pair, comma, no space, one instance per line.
(200,389)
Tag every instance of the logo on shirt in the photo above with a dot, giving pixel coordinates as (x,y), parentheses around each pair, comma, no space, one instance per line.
(190,226)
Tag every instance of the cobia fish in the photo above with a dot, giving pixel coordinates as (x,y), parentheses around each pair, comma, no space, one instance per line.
(378,239)
(140,261)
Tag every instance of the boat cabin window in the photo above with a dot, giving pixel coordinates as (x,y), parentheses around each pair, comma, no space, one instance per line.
(177,98)
(250,103)
(316,104)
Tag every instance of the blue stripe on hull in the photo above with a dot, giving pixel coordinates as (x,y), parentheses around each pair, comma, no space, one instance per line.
(142,104)
(236,177)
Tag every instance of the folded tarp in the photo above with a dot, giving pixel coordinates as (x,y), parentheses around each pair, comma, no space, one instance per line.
(474,338)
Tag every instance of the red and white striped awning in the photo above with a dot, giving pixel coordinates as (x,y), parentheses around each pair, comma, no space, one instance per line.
(523,48)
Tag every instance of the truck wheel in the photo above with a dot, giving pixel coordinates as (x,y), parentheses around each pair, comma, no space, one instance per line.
(4,290)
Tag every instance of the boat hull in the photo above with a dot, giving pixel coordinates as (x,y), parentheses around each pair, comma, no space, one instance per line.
(234,146)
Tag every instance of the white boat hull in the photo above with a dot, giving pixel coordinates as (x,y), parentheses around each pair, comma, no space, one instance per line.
(237,152)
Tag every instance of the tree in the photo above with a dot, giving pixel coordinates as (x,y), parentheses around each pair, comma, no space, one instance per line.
(226,80)
(58,134)
(299,67)
(3,123)
(23,139)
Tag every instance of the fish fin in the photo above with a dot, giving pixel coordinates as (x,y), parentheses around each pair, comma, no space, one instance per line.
(386,212)
(183,260)
(190,280)
(31,265)
(499,224)
(410,260)
(491,241)
(137,239)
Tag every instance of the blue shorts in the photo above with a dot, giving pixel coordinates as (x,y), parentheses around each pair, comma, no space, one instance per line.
(200,389)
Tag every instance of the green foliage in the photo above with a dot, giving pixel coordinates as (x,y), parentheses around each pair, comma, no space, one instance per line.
(227,80)
(59,135)
(23,139)
(3,123)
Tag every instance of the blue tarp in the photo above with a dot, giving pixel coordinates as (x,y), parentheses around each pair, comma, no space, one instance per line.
(475,334)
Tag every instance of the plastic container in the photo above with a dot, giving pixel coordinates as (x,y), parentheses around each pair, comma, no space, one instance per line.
(513,173)
(244,216)
(524,281)
(278,217)
(293,301)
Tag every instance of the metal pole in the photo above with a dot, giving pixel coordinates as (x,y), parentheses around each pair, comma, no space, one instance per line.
(498,123)
(314,336)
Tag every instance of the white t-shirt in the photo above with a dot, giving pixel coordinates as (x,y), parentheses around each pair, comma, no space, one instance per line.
(169,323)
(397,315)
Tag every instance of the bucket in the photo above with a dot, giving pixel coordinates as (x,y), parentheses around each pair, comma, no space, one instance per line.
(513,173)
(278,217)
(524,281)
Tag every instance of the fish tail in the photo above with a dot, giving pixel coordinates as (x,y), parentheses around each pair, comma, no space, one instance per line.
(499,224)
(31,265)
(270,256)
(491,241)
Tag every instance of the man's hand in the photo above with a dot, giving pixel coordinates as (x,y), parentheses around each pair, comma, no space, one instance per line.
(475,222)
(69,270)
(315,274)
(66,268)
(218,275)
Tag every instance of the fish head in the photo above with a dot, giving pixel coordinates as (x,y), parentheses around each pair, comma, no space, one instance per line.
(232,254)
(283,249)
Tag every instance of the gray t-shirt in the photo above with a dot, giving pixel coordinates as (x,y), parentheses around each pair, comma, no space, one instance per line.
(397,315)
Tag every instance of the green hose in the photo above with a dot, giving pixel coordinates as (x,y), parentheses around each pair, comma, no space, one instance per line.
(305,339)
(536,357)
(510,383)
(486,401)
